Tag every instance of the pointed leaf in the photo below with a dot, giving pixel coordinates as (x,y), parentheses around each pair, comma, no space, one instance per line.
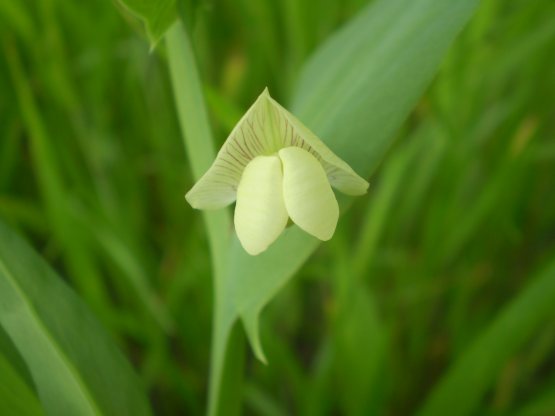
(75,365)
(260,214)
(251,327)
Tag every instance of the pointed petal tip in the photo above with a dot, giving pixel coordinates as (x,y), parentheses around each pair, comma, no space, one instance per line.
(188,199)
(266,92)
(202,203)
(192,201)
(250,323)
(351,184)
(364,189)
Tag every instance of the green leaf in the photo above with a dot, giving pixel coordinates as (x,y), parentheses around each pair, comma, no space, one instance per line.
(17,392)
(158,15)
(354,93)
(74,364)
(464,385)
(16,398)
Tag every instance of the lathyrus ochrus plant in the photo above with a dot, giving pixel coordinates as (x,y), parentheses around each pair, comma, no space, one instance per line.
(276,169)
(354,92)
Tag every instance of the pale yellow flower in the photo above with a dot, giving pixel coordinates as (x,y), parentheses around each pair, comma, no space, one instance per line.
(276,169)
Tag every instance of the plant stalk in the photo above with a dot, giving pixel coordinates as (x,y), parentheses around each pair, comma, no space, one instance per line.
(227,340)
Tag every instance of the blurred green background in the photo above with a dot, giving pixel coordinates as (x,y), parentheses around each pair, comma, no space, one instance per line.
(422,272)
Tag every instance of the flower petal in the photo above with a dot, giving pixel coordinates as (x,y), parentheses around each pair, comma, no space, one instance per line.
(266,128)
(340,174)
(216,188)
(260,214)
(308,196)
(252,136)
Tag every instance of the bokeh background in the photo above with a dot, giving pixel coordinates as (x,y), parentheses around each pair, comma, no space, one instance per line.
(459,219)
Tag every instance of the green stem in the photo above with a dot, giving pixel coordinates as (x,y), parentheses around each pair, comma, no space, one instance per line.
(227,362)
(228,340)
(197,135)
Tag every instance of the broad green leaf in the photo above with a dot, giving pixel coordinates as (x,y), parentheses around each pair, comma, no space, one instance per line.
(466,383)
(157,15)
(354,93)
(74,364)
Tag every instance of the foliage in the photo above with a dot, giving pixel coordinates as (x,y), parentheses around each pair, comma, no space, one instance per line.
(436,293)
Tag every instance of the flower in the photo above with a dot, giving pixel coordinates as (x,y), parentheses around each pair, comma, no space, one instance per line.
(276,169)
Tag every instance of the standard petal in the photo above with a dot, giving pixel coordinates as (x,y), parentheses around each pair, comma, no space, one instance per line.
(266,128)
(308,196)
(294,133)
(253,135)
(260,214)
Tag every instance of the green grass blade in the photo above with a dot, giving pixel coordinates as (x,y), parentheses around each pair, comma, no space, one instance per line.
(52,187)
(543,404)
(16,398)
(17,390)
(74,364)
(360,338)
(464,385)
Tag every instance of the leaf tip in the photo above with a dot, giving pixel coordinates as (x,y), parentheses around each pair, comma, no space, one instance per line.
(250,322)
